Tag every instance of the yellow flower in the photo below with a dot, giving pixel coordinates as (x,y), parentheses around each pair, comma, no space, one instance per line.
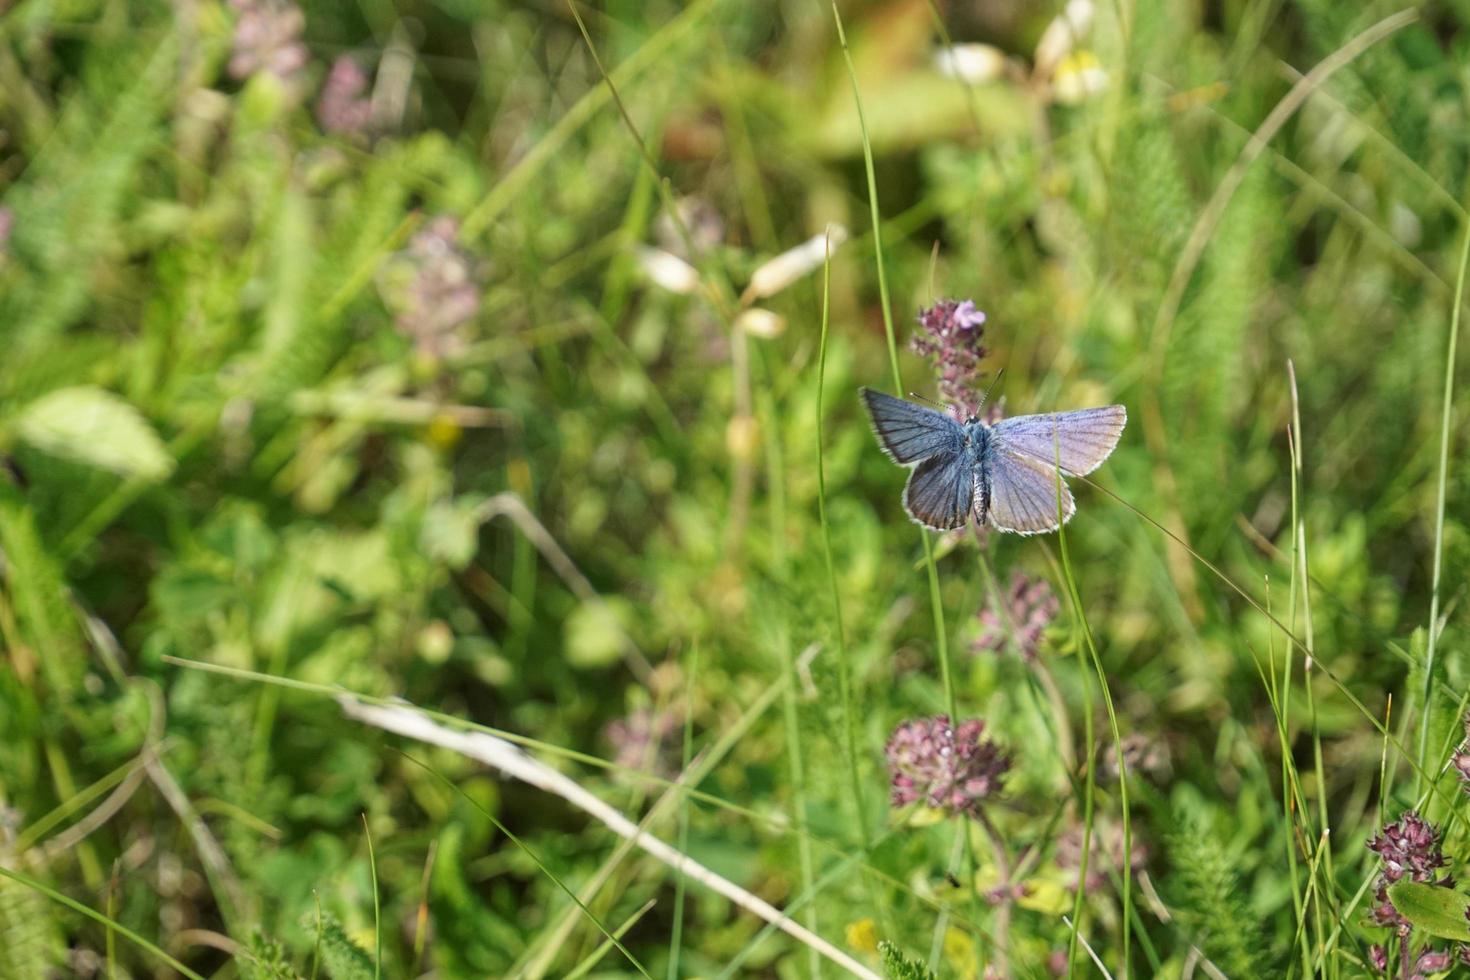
(862,936)
(959,953)
(1079,76)
(443,432)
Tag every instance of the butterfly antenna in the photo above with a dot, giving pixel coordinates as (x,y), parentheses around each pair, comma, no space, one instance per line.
(922,398)
(998,375)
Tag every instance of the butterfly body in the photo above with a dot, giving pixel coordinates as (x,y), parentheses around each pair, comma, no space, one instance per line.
(1006,473)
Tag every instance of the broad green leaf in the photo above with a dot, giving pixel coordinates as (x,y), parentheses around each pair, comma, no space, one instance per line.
(95,427)
(1437,910)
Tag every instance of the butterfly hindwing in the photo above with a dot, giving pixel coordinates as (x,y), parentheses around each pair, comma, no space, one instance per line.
(1080,440)
(1023,492)
(941,491)
(910,433)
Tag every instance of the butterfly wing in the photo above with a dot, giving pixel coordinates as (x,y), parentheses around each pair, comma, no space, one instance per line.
(910,433)
(1080,441)
(1023,492)
(941,491)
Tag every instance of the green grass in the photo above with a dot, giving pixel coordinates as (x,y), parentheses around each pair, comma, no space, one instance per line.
(236,484)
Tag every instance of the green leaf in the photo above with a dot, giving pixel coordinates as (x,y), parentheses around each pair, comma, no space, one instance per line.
(343,958)
(1437,910)
(95,427)
(899,966)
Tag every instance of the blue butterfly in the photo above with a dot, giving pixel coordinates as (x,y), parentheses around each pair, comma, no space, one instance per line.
(1006,472)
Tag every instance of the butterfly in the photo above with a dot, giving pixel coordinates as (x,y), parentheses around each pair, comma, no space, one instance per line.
(1006,472)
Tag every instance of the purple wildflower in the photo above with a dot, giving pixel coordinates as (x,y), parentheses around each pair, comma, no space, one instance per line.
(949,768)
(431,288)
(1462,766)
(1409,848)
(1462,758)
(343,107)
(1024,612)
(1418,967)
(952,331)
(1105,854)
(1431,961)
(646,740)
(267,39)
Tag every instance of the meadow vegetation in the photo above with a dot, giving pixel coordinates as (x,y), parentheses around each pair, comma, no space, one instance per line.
(502,359)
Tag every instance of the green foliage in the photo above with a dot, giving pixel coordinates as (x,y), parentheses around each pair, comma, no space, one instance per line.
(265,959)
(1436,910)
(95,427)
(897,965)
(1211,909)
(234,430)
(31,942)
(343,959)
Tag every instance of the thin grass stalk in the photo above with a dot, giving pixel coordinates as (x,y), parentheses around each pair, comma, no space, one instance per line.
(1280,708)
(790,713)
(676,935)
(1341,687)
(1057,717)
(1439,508)
(107,922)
(112,914)
(380,717)
(1089,793)
(596,956)
(775,822)
(377,902)
(1299,530)
(844,666)
(936,602)
(511,761)
(1102,679)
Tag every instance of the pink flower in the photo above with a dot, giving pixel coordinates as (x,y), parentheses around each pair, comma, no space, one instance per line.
(948,768)
(646,740)
(1409,848)
(951,335)
(267,39)
(342,107)
(1025,611)
(1105,855)
(431,288)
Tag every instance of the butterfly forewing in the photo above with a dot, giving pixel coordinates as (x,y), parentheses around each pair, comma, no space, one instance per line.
(941,491)
(1023,492)
(908,432)
(1080,440)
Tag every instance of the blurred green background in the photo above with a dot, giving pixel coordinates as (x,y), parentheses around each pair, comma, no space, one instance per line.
(353,344)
